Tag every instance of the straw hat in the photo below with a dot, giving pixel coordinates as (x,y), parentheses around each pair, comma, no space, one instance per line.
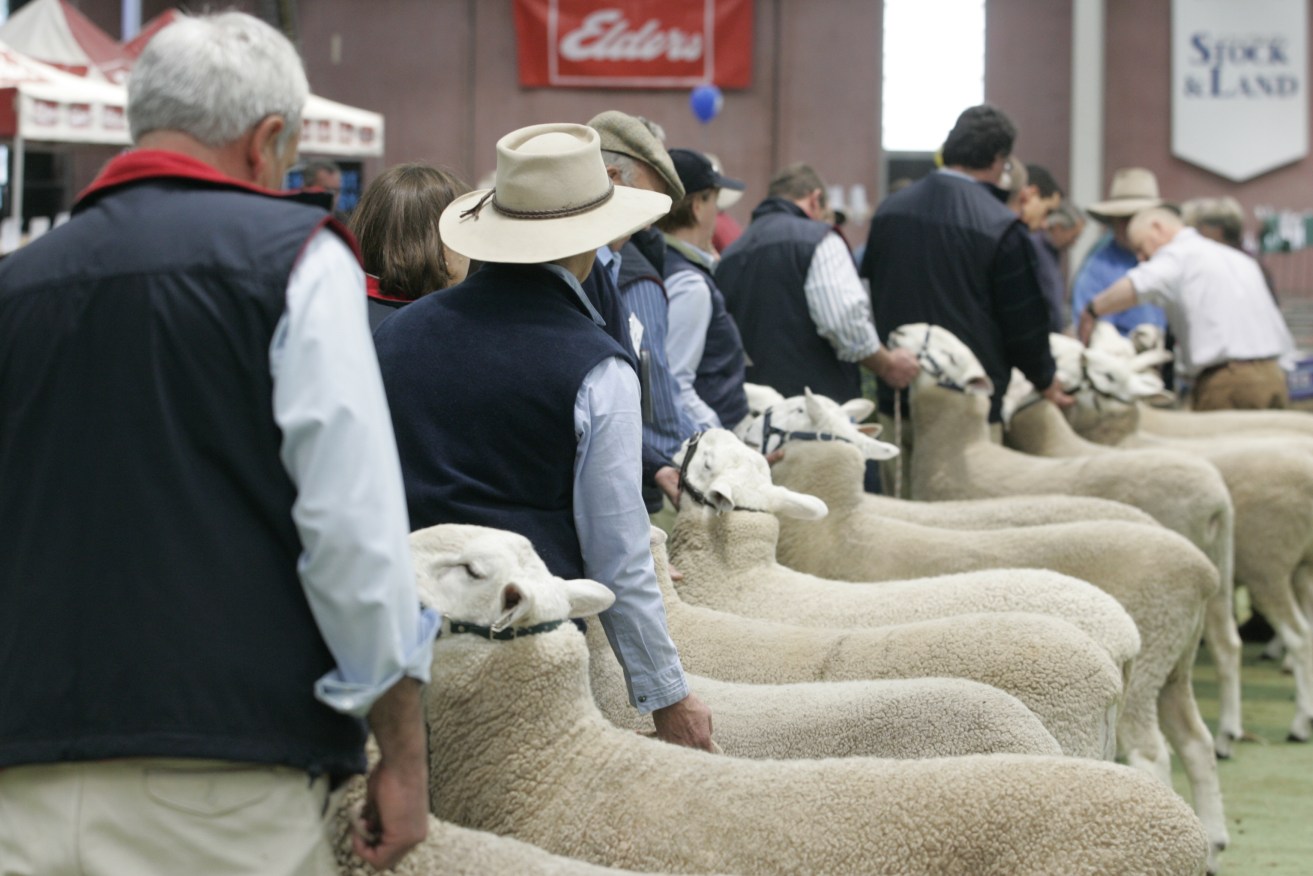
(551,199)
(1133,189)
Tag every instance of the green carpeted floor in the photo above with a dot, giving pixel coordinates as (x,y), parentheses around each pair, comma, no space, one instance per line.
(1267,787)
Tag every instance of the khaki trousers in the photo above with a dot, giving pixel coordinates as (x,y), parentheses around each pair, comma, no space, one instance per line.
(172,817)
(1253,385)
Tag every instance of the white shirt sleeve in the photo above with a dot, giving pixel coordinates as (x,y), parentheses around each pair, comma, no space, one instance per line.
(838,302)
(350,508)
(1158,280)
(689,310)
(615,533)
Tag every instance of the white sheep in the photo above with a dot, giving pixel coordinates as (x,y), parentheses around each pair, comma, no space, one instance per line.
(1271,486)
(1074,692)
(815,417)
(895,718)
(728,560)
(519,748)
(1161,580)
(448,849)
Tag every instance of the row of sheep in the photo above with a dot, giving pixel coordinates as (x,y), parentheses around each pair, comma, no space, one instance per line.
(1006,657)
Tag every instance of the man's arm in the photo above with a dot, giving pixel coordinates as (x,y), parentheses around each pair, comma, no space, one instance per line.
(686,338)
(395,815)
(614,537)
(1116,298)
(1021,314)
(350,513)
(841,309)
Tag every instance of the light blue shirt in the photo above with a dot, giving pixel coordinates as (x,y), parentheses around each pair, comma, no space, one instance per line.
(613,527)
(689,310)
(350,507)
(1107,263)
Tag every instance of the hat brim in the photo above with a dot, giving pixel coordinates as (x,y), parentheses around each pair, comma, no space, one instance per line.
(492,236)
(728,198)
(1121,207)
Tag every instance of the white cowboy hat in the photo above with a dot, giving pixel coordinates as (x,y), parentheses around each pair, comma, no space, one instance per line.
(551,199)
(1133,189)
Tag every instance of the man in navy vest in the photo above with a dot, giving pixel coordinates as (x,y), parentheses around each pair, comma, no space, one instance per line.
(514,408)
(792,288)
(946,251)
(205,579)
(703,344)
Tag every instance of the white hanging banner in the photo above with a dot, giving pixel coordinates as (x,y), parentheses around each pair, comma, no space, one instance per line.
(1240,84)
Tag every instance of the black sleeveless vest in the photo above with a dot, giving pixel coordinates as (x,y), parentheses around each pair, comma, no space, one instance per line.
(482,379)
(148,571)
(720,374)
(764,275)
(928,259)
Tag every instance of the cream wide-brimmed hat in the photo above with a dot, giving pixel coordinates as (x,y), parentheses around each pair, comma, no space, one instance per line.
(726,197)
(1133,189)
(552,198)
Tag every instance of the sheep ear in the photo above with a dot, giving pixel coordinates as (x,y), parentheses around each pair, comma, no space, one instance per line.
(811,406)
(879,450)
(980,386)
(514,604)
(587,598)
(858,408)
(721,495)
(799,506)
(870,430)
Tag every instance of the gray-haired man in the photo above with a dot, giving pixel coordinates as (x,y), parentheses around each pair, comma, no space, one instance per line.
(207,580)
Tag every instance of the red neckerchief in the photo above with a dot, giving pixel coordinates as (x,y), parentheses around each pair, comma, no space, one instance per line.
(371,287)
(146,164)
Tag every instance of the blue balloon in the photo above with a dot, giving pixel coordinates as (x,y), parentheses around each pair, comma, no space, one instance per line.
(706,101)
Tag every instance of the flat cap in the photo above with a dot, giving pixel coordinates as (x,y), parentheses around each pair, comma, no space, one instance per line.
(627,135)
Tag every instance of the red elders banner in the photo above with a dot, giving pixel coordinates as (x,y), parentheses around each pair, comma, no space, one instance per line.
(634,43)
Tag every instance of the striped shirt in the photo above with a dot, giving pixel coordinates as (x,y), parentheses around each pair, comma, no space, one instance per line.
(838,302)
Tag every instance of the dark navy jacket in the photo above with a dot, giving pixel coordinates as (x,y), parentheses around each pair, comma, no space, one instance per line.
(482,380)
(148,572)
(764,277)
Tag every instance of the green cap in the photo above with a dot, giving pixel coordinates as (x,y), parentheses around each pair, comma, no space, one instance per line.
(627,135)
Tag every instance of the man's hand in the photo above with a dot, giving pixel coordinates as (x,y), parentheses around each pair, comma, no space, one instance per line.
(897,368)
(667,478)
(686,723)
(395,815)
(1056,395)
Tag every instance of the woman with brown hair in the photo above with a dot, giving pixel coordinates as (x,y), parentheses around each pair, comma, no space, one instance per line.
(396,223)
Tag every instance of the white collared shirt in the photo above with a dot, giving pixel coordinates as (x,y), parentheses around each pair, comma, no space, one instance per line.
(350,508)
(1216,301)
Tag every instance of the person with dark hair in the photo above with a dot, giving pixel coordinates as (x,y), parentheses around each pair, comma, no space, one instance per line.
(326,175)
(1060,231)
(703,344)
(944,251)
(1039,197)
(396,223)
(791,285)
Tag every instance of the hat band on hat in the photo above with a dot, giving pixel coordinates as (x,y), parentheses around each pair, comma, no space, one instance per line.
(538,214)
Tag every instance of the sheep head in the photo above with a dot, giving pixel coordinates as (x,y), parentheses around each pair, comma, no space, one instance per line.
(722,473)
(494,578)
(944,359)
(811,413)
(760,397)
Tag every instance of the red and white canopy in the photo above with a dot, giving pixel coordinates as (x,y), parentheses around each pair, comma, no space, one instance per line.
(40,102)
(55,32)
(327,127)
